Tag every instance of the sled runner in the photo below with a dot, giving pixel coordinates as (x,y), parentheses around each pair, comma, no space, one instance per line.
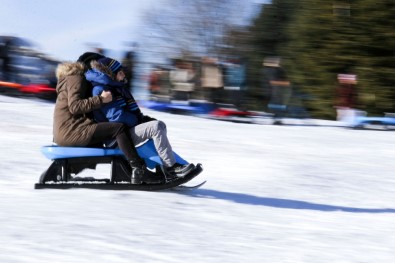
(68,162)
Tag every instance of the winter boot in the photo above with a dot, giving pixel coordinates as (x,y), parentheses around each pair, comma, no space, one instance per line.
(140,173)
(179,170)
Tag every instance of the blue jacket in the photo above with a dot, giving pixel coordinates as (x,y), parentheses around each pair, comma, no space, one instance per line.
(123,108)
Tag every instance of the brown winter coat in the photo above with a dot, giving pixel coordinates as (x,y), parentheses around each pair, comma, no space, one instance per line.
(72,125)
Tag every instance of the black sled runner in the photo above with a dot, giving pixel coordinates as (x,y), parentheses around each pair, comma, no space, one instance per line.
(69,162)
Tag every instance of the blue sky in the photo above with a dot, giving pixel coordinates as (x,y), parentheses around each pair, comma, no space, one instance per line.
(64,29)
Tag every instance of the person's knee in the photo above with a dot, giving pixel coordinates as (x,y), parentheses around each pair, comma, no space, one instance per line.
(159,126)
(119,128)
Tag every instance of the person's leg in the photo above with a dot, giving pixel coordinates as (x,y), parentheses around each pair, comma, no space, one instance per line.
(218,94)
(155,130)
(111,130)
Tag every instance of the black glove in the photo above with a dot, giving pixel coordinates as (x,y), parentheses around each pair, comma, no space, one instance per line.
(147,118)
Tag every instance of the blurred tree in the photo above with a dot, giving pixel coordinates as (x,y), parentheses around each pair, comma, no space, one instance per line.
(316,39)
(264,37)
(319,39)
(328,37)
(179,28)
(376,42)
(320,45)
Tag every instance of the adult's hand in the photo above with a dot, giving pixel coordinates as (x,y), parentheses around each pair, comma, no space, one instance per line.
(106,96)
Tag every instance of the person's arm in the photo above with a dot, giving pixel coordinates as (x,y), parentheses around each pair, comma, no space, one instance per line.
(77,102)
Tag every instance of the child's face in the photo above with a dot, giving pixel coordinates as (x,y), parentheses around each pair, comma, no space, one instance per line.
(120,76)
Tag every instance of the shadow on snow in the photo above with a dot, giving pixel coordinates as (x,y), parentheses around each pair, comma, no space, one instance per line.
(280,203)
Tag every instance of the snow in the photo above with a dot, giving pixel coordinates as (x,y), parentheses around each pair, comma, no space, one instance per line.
(291,193)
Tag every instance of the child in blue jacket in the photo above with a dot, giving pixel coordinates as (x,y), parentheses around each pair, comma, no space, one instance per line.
(106,74)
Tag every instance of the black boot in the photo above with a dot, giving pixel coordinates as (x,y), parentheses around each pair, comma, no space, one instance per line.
(140,173)
(180,170)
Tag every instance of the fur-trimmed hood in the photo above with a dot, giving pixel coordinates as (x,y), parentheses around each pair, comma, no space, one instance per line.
(69,68)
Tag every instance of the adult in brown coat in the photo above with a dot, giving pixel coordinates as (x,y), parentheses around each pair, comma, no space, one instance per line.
(73,124)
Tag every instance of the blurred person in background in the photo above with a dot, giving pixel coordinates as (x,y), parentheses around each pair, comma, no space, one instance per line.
(154,81)
(280,87)
(159,84)
(128,63)
(212,79)
(346,96)
(106,75)
(74,125)
(5,57)
(99,50)
(182,78)
(234,76)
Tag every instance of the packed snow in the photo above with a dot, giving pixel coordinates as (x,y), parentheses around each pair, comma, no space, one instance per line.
(312,191)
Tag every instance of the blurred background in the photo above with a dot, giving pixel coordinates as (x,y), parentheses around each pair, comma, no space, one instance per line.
(307,58)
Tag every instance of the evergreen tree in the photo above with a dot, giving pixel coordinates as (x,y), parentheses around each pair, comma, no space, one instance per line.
(319,39)
(328,37)
(268,34)
(376,43)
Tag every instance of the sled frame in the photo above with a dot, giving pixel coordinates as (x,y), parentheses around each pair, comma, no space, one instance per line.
(61,170)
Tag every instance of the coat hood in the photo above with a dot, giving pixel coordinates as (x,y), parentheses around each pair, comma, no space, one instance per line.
(69,68)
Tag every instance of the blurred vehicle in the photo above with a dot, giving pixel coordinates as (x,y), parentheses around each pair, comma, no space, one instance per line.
(24,70)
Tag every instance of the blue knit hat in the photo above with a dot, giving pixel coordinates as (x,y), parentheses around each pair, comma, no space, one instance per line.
(112,64)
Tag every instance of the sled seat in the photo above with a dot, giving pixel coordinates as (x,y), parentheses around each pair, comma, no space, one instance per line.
(146,151)
(54,152)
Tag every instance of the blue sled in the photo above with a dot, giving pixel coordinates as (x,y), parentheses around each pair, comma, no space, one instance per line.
(146,151)
(360,122)
(188,108)
(67,162)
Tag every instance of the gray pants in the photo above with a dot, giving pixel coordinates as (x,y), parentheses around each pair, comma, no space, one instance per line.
(155,130)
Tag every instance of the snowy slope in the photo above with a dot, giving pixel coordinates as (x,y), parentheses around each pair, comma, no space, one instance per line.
(274,194)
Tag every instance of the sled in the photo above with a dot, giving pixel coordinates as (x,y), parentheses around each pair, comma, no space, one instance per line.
(233,115)
(387,122)
(179,107)
(68,162)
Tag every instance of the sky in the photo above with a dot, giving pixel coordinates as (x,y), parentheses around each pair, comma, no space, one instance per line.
(66,29)
(274,193)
